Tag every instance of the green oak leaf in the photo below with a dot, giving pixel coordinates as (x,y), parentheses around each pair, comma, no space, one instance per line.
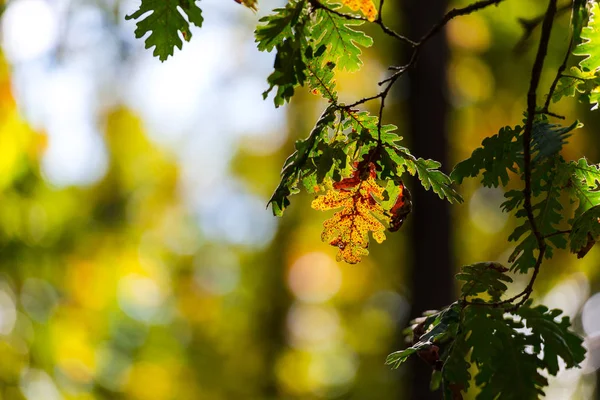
(165,21)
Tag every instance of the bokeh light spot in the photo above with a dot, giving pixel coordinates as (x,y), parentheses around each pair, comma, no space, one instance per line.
(38,298)
(29,29)
(313,325)
(140,297)
(484,210)
(590,316)
(314,278)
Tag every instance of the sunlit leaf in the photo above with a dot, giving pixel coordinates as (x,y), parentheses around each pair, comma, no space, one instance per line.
(340,38)
(166,22)
(349,228)
(590,48)
(367,7)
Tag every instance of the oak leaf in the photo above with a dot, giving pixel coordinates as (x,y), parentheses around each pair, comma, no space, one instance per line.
(367,7)
(360,213)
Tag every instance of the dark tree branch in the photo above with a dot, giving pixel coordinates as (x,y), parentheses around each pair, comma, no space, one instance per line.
(559,74)
(531,108)
(457,12)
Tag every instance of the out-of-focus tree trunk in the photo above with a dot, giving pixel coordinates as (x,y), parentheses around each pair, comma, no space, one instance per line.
(431,282)
(274,293)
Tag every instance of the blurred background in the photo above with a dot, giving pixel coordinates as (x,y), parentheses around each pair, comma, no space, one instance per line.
(138,260)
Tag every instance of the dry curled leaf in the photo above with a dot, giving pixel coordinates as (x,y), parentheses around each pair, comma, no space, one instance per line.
(349,228)
(401,208)
(367,7)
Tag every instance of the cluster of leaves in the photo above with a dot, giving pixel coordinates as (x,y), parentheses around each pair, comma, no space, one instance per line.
(501,156)
(359,164)
(506,355)
(583,80)
(311,41)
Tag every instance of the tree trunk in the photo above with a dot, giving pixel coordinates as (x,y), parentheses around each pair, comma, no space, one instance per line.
(432,274)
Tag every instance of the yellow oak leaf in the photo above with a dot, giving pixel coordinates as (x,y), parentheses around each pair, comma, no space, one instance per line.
(349,228)
(367,7)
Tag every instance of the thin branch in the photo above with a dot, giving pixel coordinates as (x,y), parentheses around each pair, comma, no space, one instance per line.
(559,74)
(565,232)
(417,46)
(529,25)
(457,12)
(388,31)
(361,101)
(318,5)
(536,73)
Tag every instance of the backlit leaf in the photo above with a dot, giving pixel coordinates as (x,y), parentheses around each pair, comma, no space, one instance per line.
(367,7)
(590,48)
(349,228)
(166,22)
(341,39)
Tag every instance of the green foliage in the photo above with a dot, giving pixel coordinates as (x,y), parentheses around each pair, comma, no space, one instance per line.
(301,164)
(484,277)
(341,39)
(284,31)
(585,231)
(578,17)
(501,155)
(309,46)
(166,22)
(343,137)
(506,369)
(437,329)
(497,156)
(591,36)
(547,213)
(552,338)
(583,80)
(321,78)
(549,139)
(432,178)
(280,25)
(581,181)
(510,351)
